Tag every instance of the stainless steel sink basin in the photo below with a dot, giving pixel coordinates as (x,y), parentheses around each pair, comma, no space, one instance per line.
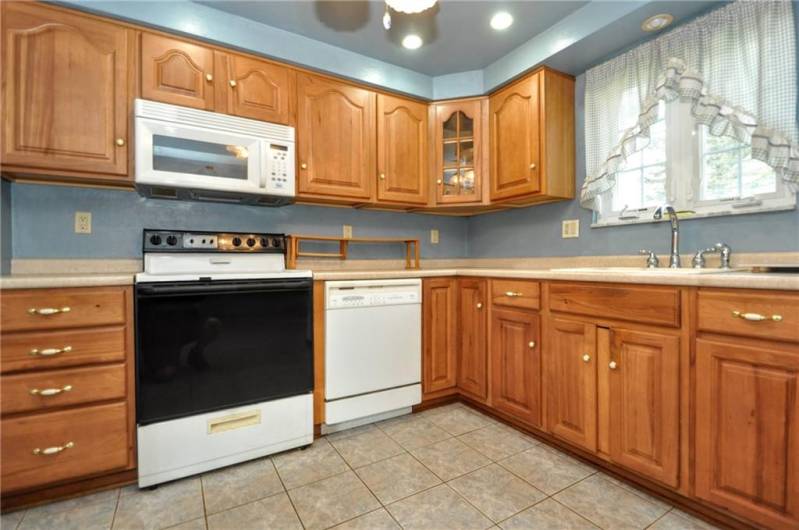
(646,270)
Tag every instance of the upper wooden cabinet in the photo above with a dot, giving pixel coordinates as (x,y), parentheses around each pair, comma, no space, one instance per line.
(472,324)
(336,140)
(532,139)
(256,89)
(178,72)
(439,337)
(65,92)
(401,150)
(458,138)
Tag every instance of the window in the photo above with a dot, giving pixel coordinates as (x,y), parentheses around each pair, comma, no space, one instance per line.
(695,171)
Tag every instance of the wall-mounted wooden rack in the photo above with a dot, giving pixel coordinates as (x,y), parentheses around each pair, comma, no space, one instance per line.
(294,252)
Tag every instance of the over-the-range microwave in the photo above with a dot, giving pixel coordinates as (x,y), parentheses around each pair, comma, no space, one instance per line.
(184,153)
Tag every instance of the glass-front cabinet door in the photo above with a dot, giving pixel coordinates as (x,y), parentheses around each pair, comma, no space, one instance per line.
(458,168)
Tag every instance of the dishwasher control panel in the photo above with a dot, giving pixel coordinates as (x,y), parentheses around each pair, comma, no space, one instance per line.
(348,295)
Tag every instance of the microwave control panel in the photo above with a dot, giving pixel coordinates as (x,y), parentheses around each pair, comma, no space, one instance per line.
(281,169)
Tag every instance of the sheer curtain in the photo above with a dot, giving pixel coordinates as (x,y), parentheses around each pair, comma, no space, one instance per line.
(736,66)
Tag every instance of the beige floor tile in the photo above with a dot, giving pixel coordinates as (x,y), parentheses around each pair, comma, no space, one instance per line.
(9,521)
(547,515)
(303,466)
(439,508)
(608,505)
(497,442)
(235,485)
(89,516)
(195,524)
(165,506)
(366,447)
(376,520)
(397,477)
(679,520)
(496,492)
(271,513)
(457,421)
(546,469)
(350,432)
(76,502)
(450,458)
(633,489)
(413,432)
(332,501)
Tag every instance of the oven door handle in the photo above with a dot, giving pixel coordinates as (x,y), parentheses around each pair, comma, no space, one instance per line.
(162,289)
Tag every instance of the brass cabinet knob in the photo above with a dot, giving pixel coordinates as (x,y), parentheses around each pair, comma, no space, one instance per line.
(479,305)
(586,358)
(532,166)
(382,176)
(120,142)
(439,181)
(531,344)
(233,83)
(303,166)
(209,77)
(612,365)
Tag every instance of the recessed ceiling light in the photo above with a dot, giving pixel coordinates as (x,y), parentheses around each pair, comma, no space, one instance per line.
(412,41)
(657,22)
(501,20)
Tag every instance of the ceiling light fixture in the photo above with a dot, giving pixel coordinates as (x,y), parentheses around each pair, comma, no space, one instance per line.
(412,41)
(501,20)
(657,22)
(410,6)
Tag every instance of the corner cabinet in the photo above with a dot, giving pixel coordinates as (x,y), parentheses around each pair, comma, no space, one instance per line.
(65,94)
(401,150)
(336,140)
(439,337)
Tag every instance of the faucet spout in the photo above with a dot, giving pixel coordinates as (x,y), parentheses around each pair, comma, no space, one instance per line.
(674,257)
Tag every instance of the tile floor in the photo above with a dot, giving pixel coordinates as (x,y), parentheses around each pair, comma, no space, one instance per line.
(449,467)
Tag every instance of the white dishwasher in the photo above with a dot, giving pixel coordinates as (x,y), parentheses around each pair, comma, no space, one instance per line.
(373,348)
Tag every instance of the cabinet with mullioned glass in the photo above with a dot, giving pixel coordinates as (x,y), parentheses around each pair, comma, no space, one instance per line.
(458,151)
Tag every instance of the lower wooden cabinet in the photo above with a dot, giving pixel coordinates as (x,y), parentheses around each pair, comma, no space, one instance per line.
(472,336)
(439,337)
(516,364)
(747,429)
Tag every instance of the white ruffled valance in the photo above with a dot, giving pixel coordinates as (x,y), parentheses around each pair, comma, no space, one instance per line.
(736,66)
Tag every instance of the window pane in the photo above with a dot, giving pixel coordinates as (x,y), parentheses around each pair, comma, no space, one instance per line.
(655,152)
(627,192)
(467,153)
(467,179)
(450,155)
(451,126)
(466,125)
(720,175)
(450,182)
(756,177)
(654,186)
(717,143)
(633,162)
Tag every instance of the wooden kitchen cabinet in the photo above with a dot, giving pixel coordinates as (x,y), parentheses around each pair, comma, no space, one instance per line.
(255,89)
(177,72)
(65,93)
(571,372)
(459,139)
(472,336)
(747,429)
(336,139)
(401,150)
(643,374)
(516,364)
(439,337)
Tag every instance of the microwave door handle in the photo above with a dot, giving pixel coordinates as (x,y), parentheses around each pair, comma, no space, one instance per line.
(264,165)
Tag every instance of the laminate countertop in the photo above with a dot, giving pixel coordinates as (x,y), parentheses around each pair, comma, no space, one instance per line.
(741,280)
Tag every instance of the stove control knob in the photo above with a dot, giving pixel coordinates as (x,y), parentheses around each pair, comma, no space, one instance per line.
(264,243)
(276,242)
(236,241)
(171,241)
(250,242)
(155,239)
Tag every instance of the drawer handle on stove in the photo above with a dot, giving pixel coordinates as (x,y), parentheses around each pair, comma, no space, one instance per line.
(50,391)
(47,311)
(47,451)
(513,294)
(47,352)
(756,317)
(234,421)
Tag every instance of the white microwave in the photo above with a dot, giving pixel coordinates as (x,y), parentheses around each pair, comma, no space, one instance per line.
(184,153)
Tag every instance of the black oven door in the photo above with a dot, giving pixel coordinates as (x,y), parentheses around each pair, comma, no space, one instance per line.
(210,345)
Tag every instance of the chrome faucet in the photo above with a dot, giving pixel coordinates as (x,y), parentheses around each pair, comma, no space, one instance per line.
(725,251)
(674,257)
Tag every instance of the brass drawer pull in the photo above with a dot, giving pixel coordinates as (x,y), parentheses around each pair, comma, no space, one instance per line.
(46,311)
(756,317)
(513,294)
(48,352)
(586,358)
(50,391)
(612,365)
(53,450)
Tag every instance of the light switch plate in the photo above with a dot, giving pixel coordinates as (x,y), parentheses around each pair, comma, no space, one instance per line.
(346,231)
(570,228)
(83,222)
(434,235)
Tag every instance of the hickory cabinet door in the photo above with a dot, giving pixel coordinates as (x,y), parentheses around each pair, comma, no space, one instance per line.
(65,90)
(254,89)
(401,150)
(335,139)
(472,322)
(439,371)
(177,72)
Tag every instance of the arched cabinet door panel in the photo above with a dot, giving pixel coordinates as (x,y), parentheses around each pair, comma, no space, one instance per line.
(65,91)
(458,135)
(401,150)
(255,89)
(177,72)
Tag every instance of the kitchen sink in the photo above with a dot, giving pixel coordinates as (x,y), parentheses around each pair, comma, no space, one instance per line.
(645,270)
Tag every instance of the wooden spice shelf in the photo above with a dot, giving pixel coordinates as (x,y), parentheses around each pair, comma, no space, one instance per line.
(294,251)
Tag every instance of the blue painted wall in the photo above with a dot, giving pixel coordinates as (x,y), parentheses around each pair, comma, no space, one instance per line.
(5,227)
(536,231)
(43,222)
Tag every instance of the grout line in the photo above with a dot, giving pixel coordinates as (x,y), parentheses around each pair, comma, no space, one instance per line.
(661,517)
(578,514)
(116,508)
(286,492)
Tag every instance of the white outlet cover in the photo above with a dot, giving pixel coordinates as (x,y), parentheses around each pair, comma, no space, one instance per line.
(570,228)
(83,222)
(346,231)
(434,236)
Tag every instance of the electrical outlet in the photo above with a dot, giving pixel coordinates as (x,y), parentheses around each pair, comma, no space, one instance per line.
(346,231)
(570,228)
(434,236)
(83,222)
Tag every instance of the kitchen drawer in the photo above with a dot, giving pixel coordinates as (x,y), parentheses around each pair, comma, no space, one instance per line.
(646,304)
(61,308)
(38,391)
(42,350)
(753,314)
(46,448)
(516,293)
